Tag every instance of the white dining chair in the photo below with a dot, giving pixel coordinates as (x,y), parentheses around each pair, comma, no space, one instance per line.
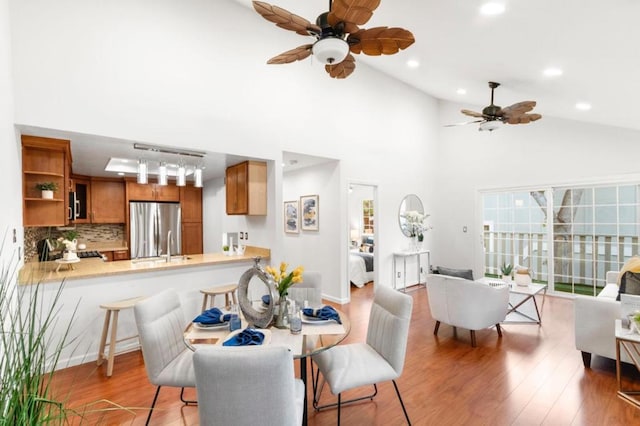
(310,289)
(378,360)
(247,386)
(167,359)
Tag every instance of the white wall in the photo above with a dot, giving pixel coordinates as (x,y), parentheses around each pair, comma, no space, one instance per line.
(193,73)
(548,152)
(317,250)
(11,213)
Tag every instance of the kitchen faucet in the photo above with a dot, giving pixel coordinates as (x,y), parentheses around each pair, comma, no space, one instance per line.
(169,246)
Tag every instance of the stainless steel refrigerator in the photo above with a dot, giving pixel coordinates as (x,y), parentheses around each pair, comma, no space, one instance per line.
(150,224)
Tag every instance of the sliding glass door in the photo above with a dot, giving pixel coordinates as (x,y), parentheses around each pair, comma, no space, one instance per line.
(515,232)
(592,230)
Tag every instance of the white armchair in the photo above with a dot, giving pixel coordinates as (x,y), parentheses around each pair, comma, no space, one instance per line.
(467,304)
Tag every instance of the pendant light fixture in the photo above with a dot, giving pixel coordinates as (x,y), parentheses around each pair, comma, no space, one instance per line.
(142,172)
(181,178)
(162,174)
(197,176)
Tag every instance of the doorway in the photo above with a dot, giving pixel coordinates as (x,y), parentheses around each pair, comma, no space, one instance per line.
(362,231)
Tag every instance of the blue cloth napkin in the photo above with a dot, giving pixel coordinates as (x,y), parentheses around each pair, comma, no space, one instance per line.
(324,313)
(266,299)
(246,337)
(212,316)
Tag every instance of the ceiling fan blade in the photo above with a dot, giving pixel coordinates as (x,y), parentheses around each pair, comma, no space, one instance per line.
(352,11)
(522,119)
(297,54)
(343,69)
(463,124)
(472,113)
(517,109)
(285,19)
(380,40)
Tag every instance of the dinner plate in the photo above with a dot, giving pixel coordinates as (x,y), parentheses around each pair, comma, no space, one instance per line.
(265,341)
(201,326)
(313,320)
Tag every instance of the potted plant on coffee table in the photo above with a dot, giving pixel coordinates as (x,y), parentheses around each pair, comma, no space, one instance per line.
(506,269)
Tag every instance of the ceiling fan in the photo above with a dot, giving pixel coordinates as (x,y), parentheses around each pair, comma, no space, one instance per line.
(337,33)
(493,116)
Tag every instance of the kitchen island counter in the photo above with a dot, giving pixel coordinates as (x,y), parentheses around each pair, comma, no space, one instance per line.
(43,272)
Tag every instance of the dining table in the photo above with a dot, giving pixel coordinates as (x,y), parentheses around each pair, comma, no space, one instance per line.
(315,337)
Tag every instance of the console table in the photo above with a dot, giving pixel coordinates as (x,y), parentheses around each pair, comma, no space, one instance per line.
(408,254)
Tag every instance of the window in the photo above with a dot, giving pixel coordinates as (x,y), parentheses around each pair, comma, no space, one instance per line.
(367,216)
(592,230)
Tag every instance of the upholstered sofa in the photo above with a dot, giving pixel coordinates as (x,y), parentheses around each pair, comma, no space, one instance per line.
(595,322)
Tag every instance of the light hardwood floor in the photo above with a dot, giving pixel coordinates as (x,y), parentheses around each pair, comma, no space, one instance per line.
(531,376)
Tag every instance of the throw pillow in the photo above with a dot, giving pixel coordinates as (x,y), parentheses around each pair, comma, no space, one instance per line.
(629,284)
(467,274)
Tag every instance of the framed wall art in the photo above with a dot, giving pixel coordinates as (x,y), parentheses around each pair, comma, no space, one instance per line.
(291,217)
(310,212)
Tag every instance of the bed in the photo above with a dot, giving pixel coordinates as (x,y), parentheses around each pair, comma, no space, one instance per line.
(360,268)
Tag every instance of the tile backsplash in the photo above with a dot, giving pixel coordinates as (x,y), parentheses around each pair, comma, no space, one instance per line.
(87,233)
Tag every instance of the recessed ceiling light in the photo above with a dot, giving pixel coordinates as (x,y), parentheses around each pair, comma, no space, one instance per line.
(120,173)
(583,106)
(413,63)
(552,72)
(461,91)
(492,8)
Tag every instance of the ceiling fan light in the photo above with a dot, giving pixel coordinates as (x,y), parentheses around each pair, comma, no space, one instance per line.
(330,50)
(490,126)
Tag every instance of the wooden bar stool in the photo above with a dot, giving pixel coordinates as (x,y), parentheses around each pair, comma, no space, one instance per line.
(113,308)
(228,290)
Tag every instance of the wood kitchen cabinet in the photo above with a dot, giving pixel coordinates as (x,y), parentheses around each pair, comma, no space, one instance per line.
(191,206)
(112,255)
(152,192)
(246,188)
(45,160)
(107,200)
(192,238)
(191,203)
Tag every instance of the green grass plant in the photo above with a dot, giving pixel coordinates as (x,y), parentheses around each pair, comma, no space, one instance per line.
(27,353)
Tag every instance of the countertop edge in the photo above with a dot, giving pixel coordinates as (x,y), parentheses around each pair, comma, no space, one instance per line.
(45,272)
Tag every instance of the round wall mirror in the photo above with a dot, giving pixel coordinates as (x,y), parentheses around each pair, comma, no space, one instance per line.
(410,202)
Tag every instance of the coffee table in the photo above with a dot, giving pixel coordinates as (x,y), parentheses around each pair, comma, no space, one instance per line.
(521,299)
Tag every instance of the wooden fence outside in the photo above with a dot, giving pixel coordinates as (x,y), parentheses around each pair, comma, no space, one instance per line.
(589,256)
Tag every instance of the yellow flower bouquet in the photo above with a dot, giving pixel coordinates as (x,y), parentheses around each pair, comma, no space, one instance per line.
(283,279)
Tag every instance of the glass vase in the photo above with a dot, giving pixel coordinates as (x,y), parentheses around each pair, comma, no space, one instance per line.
(282,319)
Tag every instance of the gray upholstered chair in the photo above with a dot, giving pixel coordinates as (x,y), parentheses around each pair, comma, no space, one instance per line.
(380,359)
(467,304)
(168,362)
(310,289)
(248,386)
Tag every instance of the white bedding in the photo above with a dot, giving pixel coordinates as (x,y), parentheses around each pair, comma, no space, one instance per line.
(357,271)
